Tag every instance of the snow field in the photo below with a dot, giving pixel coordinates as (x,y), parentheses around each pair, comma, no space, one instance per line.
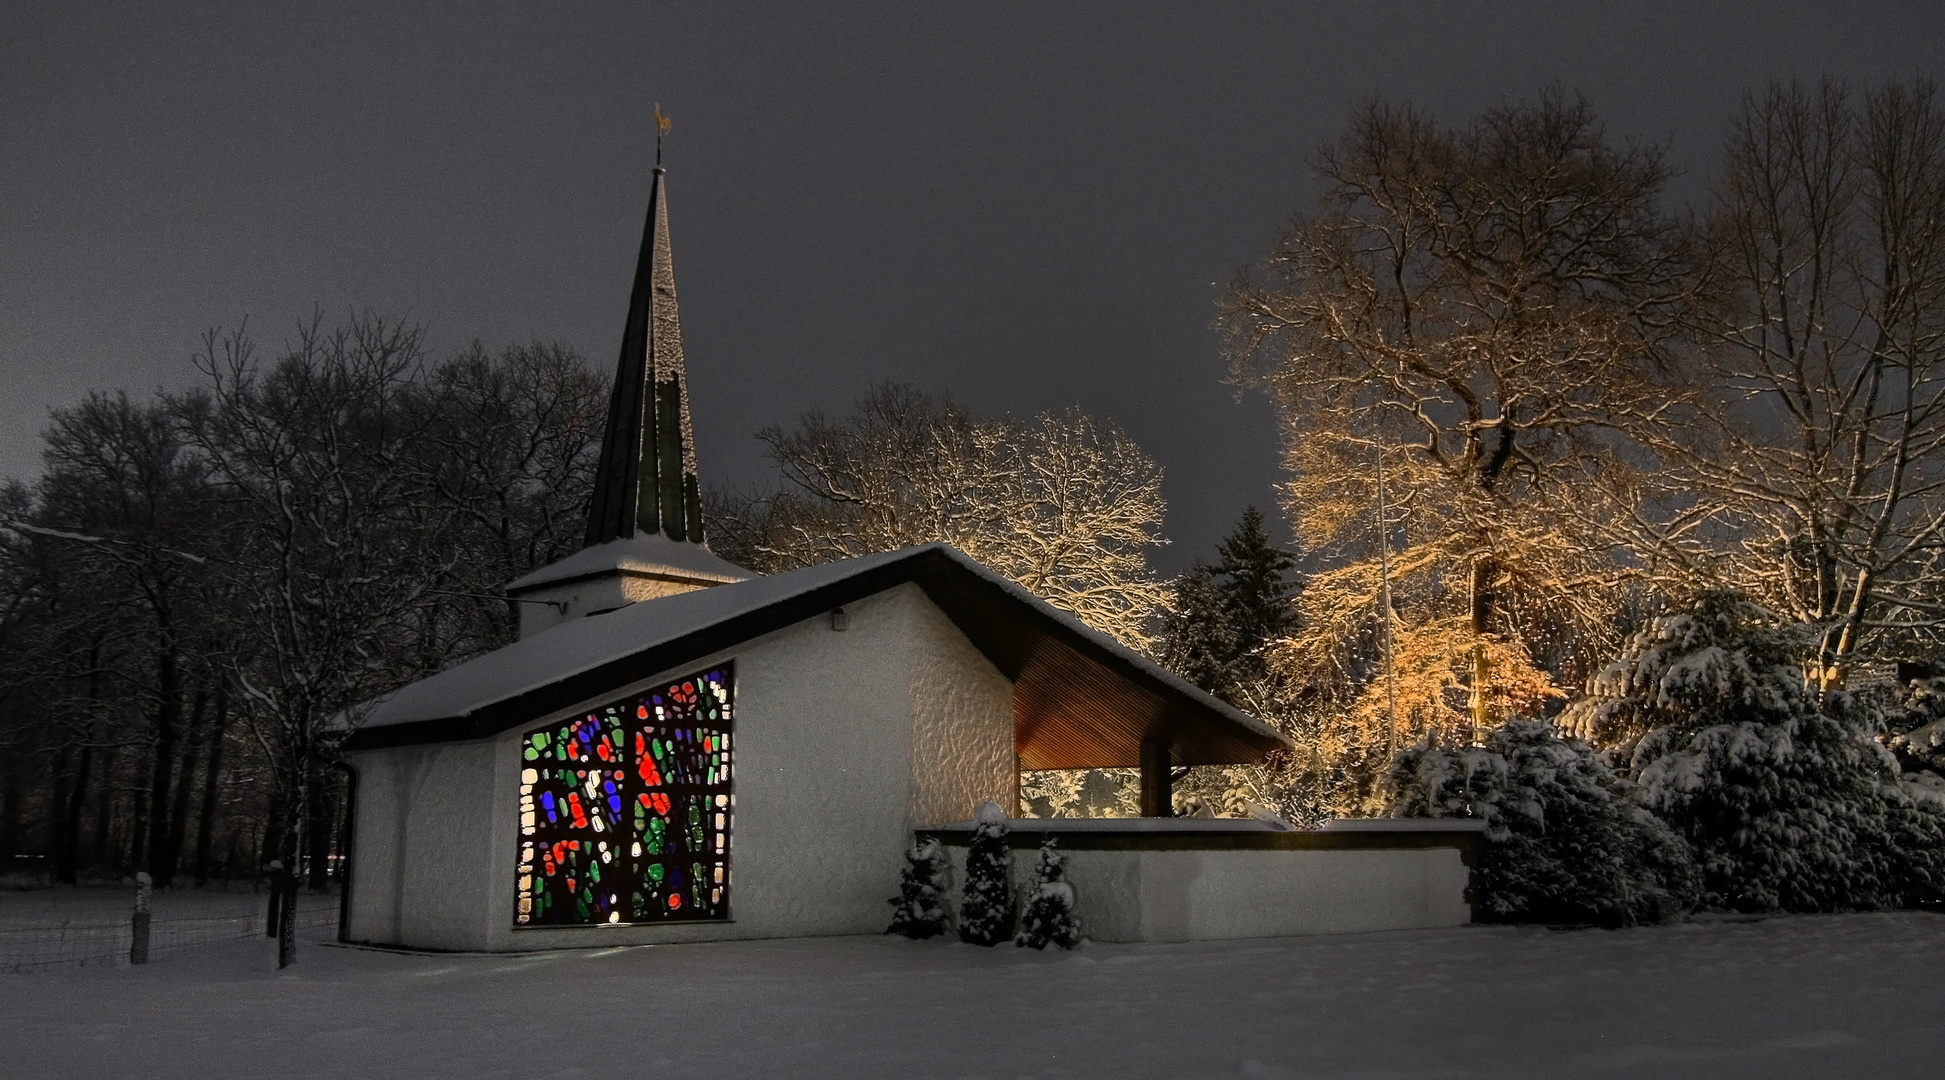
(1805,996)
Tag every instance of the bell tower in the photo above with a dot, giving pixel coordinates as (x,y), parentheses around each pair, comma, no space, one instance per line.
(645,534)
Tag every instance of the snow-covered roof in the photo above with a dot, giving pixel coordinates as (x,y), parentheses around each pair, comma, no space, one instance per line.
(652,555)
(1081,698)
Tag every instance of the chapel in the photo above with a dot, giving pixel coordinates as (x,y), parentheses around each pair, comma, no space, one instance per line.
(677,749)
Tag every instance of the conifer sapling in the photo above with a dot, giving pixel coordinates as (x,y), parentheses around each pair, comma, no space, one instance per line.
(986,913)
(917,912)
(1049,916)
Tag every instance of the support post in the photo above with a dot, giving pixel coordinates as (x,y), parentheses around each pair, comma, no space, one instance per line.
(1157,780)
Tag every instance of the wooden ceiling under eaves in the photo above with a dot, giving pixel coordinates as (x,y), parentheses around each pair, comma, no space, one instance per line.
(1078,705)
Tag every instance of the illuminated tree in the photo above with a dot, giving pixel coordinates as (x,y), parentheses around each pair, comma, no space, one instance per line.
(1065,504)
(1470,331)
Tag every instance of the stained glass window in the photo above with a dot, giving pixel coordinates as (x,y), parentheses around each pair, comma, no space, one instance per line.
(625,812)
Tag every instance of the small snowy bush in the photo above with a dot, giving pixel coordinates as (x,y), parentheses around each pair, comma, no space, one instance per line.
(1782,792)
(1049,915)
(918,912)
(1564,842)
(986,905)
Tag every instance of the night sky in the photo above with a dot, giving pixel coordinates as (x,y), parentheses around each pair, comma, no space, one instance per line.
(1031,205)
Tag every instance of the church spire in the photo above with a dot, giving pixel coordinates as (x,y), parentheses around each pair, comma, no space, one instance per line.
(646,481)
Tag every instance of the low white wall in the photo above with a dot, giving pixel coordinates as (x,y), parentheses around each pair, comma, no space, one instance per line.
(1164,887)
(1203,895)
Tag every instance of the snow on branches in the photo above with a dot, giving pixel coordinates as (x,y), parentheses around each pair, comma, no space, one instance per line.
(1049,915)
(919,911)
(986,911)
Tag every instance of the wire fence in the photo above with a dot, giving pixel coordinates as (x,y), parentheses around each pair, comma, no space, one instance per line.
(51,940)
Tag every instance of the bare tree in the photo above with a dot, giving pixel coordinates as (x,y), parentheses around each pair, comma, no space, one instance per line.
(509,445)
(1475,320)
(1823,342)
(334,537)
(1065,504)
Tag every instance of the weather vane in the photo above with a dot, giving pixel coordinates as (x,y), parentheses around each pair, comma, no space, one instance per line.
(661,129)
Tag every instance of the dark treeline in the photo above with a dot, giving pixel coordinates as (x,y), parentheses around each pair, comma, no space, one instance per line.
(200,582)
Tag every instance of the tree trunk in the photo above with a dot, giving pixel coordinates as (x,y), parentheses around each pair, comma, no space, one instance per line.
(10,811)
(70,798)
(318,830)
(171,855)
(104,838)
(287,878)
(212,775)
(168,724)
(1479,705)
(273,835)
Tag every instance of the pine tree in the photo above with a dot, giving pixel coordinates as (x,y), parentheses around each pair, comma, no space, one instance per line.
(1257,588)
(1049,916)
(986,913)
(1198,642)
(1223,615)
(918,912)
(1783,792)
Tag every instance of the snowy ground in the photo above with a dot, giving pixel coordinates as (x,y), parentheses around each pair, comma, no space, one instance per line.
(1836,996)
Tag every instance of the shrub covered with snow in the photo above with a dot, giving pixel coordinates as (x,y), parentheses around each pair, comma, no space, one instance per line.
(1782,792)
(986,906)
(1915,726)
(918,910)
(1049,915)
(1564,842)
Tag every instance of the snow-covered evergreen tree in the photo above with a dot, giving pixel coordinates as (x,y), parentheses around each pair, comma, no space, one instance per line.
(1222,621)
(919,911)
(1049,915)
(1915,724)
(986,904)
(1564,841)
(1258,586)
(1222,616)
(1198,642)
(1782,792)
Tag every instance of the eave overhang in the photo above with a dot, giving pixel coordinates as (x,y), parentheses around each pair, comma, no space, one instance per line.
(1080,699)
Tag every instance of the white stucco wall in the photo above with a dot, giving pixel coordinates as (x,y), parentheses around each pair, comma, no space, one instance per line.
(962,723)
(843,740)
(421,834)
(1191,895)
